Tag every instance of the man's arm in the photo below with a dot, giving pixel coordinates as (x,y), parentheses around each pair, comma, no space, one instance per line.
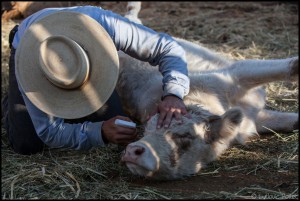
(147,45)
(55,133)
(156,48)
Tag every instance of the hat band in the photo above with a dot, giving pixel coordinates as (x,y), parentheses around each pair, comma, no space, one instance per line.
(64,62)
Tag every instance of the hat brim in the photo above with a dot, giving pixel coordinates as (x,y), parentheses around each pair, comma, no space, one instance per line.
(103,58)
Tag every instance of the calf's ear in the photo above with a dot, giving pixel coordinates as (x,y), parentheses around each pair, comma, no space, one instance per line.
(225,126)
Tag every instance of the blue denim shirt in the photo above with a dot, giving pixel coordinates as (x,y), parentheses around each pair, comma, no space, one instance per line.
(133,39)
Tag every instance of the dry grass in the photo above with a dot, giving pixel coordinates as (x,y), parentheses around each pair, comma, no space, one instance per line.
(239,30)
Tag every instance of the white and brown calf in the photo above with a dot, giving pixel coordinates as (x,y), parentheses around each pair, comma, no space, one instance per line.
(226,103)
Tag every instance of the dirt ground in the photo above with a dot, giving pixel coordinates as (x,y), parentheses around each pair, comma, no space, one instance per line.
(244,31)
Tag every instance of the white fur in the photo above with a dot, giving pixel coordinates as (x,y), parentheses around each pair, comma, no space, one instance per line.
(226,102)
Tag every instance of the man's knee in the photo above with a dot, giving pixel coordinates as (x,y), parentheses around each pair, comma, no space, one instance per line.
(25,146)
(23,138)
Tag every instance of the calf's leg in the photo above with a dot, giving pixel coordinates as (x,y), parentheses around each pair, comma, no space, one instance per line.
(133,9)
(252,73)
(276,121)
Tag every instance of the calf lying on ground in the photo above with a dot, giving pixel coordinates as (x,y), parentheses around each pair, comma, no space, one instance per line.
(226,103)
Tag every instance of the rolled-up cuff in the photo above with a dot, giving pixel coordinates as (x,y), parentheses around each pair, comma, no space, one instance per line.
(173,89)
(96,136)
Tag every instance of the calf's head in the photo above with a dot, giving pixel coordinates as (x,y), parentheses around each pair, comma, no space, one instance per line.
(182,149)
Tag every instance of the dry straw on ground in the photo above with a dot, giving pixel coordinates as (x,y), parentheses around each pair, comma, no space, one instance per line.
(267,168)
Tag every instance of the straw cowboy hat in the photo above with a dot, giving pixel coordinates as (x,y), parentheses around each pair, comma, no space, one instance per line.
(67,64)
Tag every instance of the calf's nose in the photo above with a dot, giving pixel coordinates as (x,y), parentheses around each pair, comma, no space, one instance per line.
(132,153)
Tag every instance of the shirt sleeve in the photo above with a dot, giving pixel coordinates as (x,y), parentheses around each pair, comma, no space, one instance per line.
(55,133)
(147,45)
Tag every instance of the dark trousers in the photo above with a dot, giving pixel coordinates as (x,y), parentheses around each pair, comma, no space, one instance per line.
(21,133)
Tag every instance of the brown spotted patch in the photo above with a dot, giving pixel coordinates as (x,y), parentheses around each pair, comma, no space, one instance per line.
(183,143)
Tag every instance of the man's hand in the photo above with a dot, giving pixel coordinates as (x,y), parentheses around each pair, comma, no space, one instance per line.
(170,107)
(118,134)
